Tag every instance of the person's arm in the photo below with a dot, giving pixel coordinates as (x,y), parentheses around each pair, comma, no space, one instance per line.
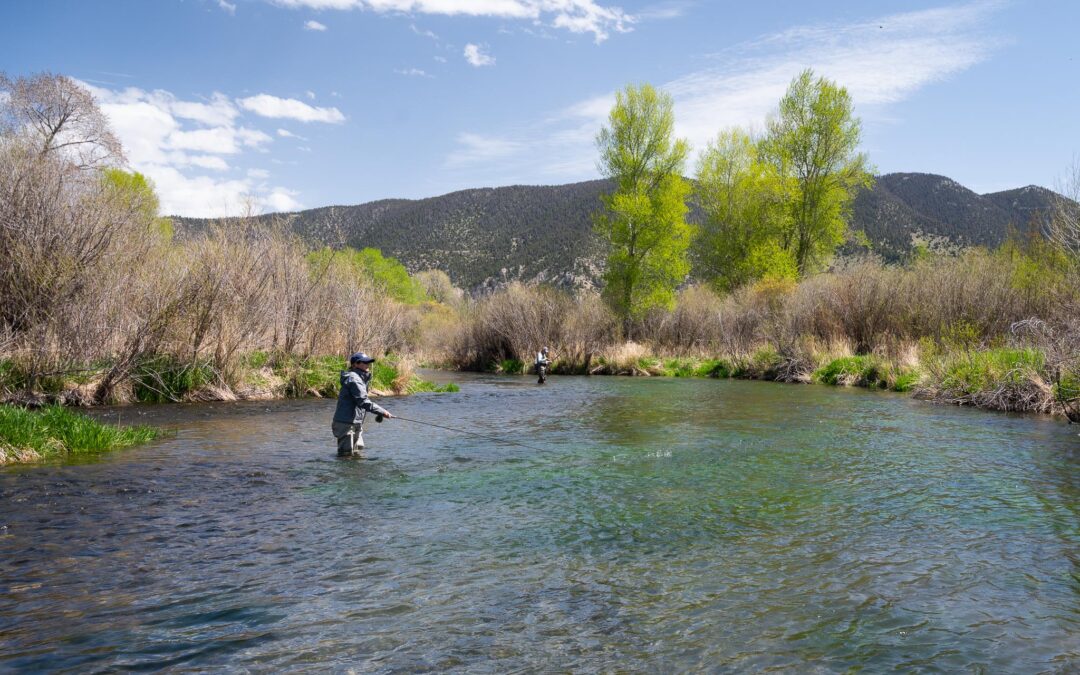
(359,394)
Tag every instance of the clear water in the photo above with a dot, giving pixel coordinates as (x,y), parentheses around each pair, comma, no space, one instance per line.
(661,525)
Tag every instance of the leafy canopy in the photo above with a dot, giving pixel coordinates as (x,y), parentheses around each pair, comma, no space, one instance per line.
(811,143)
(743,200)
(369,264)
(644,223)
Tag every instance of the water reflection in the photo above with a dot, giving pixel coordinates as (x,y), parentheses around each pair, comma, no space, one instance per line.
(663,525)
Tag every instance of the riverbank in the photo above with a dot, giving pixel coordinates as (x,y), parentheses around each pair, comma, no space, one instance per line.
(55,432)
(1005,379)
(36,427)
(257,376)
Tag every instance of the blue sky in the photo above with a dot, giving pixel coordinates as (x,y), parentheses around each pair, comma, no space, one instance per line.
(302,103)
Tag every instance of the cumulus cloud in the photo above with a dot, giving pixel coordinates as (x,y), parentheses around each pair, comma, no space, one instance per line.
(175,142)
(314,25)
(576,16)
(881,62)
(289,108)
(476,57)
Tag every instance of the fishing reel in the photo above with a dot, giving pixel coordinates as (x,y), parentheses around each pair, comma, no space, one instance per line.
(379,418)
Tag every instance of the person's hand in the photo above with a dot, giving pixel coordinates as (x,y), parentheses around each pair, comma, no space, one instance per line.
(388,416)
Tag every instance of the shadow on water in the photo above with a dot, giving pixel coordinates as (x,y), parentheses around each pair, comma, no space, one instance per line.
(662,524)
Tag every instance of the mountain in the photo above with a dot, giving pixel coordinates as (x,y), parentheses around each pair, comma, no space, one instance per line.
(485,237)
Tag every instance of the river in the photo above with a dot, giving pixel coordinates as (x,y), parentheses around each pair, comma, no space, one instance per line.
(658,524)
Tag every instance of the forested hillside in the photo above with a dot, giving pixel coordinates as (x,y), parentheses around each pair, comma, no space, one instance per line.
(484,237)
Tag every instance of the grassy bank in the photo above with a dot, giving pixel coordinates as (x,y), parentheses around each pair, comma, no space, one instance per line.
(55,432)
(1001,378)
(164,379)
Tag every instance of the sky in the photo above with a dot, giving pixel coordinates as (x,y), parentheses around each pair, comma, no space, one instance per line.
(291,104)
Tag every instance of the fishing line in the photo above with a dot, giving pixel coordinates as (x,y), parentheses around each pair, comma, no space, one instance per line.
(470,433)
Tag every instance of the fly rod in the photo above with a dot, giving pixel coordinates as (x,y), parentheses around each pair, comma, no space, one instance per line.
(470,433)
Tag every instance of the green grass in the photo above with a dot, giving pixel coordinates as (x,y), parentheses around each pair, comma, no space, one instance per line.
(866,371)
(848,370)
(323,375)
(56,432)
(511,367)
(1069,387)
(163,379)
(687,367)
(976,371)
(905,380)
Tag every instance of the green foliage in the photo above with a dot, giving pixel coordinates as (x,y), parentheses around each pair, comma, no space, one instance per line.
(319,374)
(164,379)
(979,371)
(848,371)
(716,368)
(743,203)
(866,371)
(961,335)
(761,365)
(56,431)
(511,366)
(1032,263)
(1068,389)
(811,144)
(322,375)
(15,377)
(905,380)
(644,224)
(369,264)
(134,192)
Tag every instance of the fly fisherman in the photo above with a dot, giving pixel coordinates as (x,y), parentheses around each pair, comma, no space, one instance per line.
(353,405)
(542,365)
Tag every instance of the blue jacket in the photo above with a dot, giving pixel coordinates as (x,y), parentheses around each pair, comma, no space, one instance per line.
(353,403)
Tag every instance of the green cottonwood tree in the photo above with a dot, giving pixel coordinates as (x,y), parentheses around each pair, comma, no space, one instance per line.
(745,215)
(811,142)
(645,220)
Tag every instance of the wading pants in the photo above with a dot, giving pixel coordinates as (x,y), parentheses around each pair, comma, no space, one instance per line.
(350,440)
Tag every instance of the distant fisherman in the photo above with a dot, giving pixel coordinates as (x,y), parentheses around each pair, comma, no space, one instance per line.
(542,365)
(353,406)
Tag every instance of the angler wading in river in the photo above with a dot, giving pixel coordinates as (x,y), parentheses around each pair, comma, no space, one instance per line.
(353,406)
(543,363)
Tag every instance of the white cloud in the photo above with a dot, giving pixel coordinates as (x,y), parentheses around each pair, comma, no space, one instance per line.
(176,142)
(425,33)
(476,57)
(478,149)
(576,16)
(289,108)
(280,200)
(314,25)
(218,140)
(310,94)
(285,133)
(227,6)
(412,72)
(440,59)
(881,62)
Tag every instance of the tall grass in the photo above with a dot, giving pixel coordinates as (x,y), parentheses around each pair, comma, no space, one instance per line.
(57,432)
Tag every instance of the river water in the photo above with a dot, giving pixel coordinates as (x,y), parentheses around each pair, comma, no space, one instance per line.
(659,525)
